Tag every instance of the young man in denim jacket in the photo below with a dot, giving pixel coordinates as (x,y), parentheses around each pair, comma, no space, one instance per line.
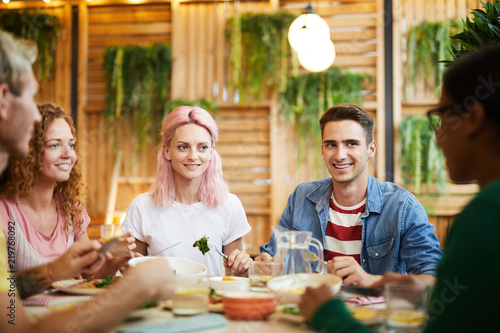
(391,231)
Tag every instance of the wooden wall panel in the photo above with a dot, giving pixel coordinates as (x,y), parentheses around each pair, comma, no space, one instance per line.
(244,149)
(354,30)
(409,13)
(115,25)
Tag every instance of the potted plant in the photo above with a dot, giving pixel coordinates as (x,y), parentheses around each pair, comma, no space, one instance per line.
(483,29)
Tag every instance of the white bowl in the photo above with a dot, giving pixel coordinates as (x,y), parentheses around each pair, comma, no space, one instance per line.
(289,288)
(181,266)
(236,284)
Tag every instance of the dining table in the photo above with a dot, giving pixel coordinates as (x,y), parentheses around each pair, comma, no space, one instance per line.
(215,321)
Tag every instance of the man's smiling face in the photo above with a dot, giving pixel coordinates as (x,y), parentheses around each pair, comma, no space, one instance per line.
(345,150)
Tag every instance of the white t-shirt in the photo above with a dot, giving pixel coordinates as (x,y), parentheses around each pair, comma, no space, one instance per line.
(160,227)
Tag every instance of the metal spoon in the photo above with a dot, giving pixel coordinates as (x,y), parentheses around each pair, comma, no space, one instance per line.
(165,249)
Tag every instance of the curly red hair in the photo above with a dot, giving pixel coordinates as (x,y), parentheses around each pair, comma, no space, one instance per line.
(22,174)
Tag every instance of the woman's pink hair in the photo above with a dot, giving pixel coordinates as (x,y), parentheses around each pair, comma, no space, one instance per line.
(213,189)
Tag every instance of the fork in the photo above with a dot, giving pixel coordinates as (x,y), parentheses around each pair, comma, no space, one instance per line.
(165,249)
(213,247)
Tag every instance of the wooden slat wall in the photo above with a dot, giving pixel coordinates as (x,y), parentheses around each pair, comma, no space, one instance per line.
(442,210)
(108,26)
(354,27)
(244,148)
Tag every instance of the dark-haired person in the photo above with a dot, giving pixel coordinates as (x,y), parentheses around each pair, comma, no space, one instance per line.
(367,227)
(467,125)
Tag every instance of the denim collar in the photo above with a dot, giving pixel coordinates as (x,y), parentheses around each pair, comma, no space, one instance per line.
(322,193)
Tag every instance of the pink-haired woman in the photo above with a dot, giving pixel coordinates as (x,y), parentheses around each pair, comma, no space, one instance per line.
(190,198)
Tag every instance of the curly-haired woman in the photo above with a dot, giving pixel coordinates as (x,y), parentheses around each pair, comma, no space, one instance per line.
(41,197)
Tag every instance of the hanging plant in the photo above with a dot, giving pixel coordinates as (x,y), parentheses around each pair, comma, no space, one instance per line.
(138,86)
(482,30)
(39,27)
(421,159)
(427,45)
(308,96)
(259,53)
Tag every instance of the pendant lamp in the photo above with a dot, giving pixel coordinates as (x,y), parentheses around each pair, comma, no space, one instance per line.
(307,30)
(319,58)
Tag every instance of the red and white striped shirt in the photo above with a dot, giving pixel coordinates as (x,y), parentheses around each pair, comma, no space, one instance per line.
(344,230)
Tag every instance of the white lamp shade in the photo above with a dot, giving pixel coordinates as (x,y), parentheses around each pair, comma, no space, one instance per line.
(319,58)
(306,31)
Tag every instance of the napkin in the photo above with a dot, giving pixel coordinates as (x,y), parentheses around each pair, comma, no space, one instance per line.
(189,324)
(41,300)
(365,300)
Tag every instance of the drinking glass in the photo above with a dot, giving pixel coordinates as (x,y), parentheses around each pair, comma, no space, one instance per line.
(260,272)
(107,231)
(406,307)
(191,295)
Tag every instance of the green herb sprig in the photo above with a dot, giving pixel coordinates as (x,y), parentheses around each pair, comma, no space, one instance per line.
(106,282)
(202,244)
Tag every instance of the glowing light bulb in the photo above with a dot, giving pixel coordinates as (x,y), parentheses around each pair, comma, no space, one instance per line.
(319,58)
(308,30)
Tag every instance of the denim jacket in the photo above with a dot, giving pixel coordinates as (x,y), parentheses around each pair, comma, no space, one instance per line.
(396,236)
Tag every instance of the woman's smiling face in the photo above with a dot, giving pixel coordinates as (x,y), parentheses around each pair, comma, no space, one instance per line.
(190,152)
(59,155)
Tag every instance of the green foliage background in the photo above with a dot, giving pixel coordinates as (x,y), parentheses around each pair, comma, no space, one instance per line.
(39,27)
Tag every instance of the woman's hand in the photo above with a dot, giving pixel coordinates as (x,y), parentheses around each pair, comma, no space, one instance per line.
(117,259)
(238,262)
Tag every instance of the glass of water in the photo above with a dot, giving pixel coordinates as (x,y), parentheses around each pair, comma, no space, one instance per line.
(406,307)
(191,295)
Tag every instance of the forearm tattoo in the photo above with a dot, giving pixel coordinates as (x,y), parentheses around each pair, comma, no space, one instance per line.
(32,281)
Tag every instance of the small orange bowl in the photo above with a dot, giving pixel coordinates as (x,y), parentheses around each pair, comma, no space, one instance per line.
(248,305)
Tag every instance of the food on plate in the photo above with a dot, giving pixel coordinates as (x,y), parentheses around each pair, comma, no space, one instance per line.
(202,244)
(406,317)
(363,314)
(291,309)
(148,304)
(368,315)
(97,283)
(106,282)
(228,278)
(214,297)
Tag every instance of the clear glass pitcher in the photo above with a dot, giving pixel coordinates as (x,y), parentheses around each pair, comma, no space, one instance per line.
(292,250)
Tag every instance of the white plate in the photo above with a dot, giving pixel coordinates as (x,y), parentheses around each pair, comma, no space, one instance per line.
(66,304)
(76,291)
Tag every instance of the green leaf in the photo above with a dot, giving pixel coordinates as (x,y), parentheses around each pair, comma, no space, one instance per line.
(494,29)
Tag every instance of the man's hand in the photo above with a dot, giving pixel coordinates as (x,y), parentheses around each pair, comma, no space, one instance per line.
(264,256)
(313,298)
(154,277)
(351,272)
(409,279)
(81,257)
